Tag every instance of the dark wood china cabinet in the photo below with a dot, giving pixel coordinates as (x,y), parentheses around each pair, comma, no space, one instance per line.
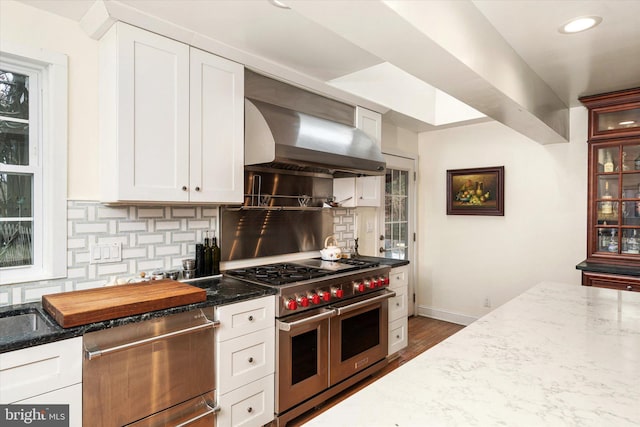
(613,223)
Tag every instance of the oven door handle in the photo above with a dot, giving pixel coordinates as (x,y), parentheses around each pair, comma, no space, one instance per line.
(286,326)
(342,310)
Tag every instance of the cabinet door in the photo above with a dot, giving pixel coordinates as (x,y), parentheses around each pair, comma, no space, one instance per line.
(370,123)
(368,189)
(217,129)
(150,147)
(71,396)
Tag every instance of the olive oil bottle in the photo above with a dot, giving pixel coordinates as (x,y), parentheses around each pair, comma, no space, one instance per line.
(215,252)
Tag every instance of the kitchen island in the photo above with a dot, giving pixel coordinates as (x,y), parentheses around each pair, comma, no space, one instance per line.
(557,355)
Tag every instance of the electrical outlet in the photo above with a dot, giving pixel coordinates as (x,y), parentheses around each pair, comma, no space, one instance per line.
(104,253)
(487,302)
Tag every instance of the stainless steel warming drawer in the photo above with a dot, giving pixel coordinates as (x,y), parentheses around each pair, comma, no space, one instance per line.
(152,373)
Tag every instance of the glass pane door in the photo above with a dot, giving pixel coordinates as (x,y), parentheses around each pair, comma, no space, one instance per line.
(396,221)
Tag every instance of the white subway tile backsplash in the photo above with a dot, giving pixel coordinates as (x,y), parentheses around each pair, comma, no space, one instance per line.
(111,212)
(199,224)
(184,237)
(167,225)
(152,238)
(35,294)
(106,269)
(183,212)
(151,213)
(134,253)
(91,227)
(167,250)
(126,226)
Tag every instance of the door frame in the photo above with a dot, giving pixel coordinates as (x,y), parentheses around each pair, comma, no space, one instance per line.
(400,161)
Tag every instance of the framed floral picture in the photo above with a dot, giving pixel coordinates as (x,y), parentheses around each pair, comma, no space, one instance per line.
(477,191)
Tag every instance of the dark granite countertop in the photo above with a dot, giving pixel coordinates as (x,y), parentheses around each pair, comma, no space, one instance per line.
(385,261)
(220,291)
(596,267)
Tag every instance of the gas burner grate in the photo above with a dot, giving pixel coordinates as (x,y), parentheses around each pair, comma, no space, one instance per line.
(278,274)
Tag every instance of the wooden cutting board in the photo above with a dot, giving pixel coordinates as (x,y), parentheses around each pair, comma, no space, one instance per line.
(77,308)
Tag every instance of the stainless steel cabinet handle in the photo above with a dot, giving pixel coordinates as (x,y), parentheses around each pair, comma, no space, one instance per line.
(342,310)
(197,417)
(284,326)
(94,354)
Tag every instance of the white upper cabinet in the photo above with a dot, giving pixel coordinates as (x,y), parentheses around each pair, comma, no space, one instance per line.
(364,190)
(171,121)
(370,122)
(217,129)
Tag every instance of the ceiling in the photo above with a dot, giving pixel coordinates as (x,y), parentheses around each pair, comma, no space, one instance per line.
(333,39)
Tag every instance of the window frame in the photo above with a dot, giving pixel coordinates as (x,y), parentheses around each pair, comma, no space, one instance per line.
(48,126)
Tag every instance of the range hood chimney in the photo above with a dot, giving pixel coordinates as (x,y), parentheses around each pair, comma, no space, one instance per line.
(281,138)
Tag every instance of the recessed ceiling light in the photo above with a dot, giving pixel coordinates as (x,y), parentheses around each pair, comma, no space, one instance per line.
(580,24)
(278,3)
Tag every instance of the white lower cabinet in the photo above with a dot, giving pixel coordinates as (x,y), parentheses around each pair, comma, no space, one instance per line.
(251,405)
(398,308)
(44,374)
(245,362)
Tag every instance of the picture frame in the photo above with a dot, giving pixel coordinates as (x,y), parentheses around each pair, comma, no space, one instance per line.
(476,191)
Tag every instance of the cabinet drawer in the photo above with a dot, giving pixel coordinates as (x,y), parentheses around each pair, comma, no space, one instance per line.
(398,304)
(245,317)
(399,276)
(251,405)
(40,369)
(71,396)
(245,359)
(397,335)
(628,283)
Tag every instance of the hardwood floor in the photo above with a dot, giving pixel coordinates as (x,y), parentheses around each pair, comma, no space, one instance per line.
(424,333)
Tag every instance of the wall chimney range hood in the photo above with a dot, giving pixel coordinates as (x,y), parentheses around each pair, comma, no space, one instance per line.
(281,138)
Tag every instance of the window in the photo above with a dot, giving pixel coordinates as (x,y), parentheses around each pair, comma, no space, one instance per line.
(33,159)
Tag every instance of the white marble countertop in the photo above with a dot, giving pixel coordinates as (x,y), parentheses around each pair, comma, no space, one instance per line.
(557,355)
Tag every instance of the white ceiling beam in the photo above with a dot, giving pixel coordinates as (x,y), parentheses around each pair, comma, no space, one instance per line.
(450,45)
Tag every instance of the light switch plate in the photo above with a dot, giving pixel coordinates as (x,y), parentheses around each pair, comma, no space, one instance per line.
(105,253)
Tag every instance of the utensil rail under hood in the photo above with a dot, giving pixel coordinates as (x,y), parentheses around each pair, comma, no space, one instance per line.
(282,138)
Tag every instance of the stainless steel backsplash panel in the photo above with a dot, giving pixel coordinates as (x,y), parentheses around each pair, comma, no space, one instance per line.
(253,233)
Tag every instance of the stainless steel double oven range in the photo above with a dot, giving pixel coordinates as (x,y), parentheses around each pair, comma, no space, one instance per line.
(332,323)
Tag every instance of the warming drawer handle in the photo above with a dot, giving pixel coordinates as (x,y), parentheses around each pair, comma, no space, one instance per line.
(94,354)
(197,417)
(364,303)
(286,326)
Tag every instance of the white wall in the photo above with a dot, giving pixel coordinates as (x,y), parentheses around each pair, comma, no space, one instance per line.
(32,27)
(542,236)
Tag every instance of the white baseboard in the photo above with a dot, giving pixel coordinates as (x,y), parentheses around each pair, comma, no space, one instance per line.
(460,319)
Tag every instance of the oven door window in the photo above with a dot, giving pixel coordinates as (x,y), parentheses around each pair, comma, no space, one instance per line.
(304,353)
(360,333)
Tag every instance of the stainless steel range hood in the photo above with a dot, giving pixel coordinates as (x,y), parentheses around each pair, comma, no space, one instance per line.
(286,139)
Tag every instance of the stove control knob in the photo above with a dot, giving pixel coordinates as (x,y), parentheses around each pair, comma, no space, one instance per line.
(303,301)
(378,281)
(338,293)
(326,296)
(369,284)
(315,298)
(291,304)
(386,280)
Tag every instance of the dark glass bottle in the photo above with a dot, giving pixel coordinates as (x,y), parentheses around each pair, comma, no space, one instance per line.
(199,260)
(208,256)
(216,255)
